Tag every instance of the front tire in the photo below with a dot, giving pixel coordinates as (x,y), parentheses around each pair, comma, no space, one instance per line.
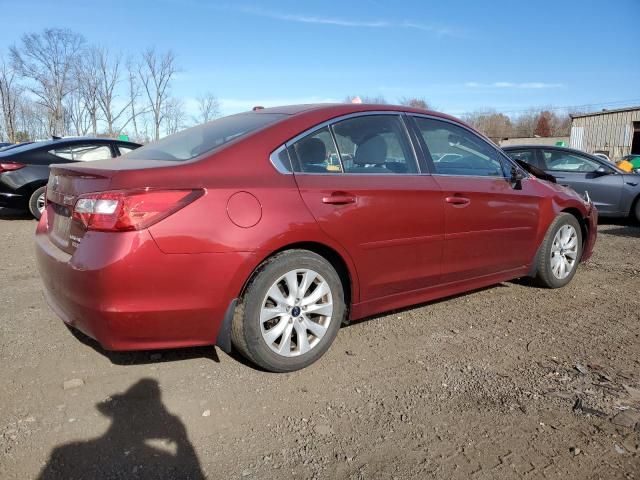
(290,313)
(560,252)
(36,202)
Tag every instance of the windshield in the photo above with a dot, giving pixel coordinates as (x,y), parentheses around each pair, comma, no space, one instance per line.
(195,141)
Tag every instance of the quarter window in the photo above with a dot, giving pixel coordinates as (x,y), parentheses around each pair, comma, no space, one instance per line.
(456,151)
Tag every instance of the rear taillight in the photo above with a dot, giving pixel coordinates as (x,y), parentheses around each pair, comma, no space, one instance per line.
(123,210)
(10,167)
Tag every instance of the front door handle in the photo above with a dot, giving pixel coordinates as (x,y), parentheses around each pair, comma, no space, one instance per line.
(459,201)
(339,199)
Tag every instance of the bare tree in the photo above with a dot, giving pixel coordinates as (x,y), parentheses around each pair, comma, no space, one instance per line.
(494,125)
(9,96)
(155,73)
(208,108)
(110,78)
(89,82)
(78,118)
(415,102)
(48,59)
(173,116)
(133,84)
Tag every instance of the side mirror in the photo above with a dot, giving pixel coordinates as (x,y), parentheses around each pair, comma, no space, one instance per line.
(603,171)
(516,178)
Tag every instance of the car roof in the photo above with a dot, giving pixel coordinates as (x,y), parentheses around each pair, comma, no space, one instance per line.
(347,108)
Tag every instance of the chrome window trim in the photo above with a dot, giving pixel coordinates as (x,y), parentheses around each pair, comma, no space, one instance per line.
(479,135)
(274,158)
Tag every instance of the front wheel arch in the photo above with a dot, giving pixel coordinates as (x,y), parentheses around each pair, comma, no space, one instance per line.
(584,228)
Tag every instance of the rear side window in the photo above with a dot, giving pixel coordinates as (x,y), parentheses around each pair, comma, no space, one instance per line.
(374,144)
(457,151)
(195,141)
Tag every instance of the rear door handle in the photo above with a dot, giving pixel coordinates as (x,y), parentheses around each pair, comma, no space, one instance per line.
(339,199)
(458,200)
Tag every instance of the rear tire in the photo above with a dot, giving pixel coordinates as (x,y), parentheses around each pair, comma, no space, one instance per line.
(282,329)
(36,202)
(560,252)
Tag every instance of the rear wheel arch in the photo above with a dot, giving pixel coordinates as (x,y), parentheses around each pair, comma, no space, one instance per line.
(336,260)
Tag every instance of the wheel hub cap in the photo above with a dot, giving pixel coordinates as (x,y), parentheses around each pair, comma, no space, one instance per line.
(296,312)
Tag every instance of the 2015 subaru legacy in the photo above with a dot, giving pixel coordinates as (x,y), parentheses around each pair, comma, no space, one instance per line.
(267,230)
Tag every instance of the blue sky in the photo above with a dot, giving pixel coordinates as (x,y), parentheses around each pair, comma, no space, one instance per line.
(460,56)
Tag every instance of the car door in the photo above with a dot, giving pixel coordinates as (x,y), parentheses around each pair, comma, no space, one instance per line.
(490,224)
(584,174)
(360,179)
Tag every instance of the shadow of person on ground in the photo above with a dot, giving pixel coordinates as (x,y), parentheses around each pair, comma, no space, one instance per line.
(144,441)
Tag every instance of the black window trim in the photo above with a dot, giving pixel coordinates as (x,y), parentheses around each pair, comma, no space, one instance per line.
(295,167)
(429,160)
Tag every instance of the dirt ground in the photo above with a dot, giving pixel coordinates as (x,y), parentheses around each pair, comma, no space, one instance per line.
(507,382)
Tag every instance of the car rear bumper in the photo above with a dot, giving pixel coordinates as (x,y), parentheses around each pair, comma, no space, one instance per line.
(123,291)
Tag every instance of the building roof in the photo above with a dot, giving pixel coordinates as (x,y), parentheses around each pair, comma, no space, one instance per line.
(604,112)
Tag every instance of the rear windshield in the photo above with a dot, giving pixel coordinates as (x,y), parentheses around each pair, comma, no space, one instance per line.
(195,141)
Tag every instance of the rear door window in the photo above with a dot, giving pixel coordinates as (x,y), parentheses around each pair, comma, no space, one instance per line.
(457,151)
(316,153)
(374,144)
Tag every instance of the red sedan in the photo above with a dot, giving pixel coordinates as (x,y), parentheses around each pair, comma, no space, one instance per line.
(267,230)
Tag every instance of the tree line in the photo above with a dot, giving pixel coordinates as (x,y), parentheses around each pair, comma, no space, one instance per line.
(536,122)
(54,83)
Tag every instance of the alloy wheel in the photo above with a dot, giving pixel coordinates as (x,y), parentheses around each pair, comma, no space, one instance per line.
(296,312)
(40,203)
(564,252)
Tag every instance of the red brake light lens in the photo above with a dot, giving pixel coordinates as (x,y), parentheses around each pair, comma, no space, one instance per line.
(10,167)
(123,210)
